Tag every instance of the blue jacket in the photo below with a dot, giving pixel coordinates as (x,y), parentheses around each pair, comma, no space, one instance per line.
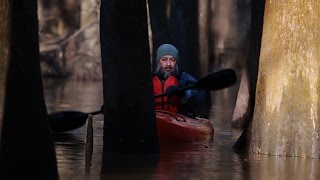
(193,98)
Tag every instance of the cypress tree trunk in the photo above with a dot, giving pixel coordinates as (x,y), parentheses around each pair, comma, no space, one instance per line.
(204,36)
(159,25)
(286,114)
(27,150)
(5,20)
(246,97)
(127,88)
(183,26)
(242,111)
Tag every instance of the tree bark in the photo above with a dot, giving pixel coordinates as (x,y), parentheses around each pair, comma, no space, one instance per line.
(183,25)
(204,31)
(246,95)
(242,112)
(286,118)
(26,149)
(250,73)
(128,97)
(159,26)
(5,20)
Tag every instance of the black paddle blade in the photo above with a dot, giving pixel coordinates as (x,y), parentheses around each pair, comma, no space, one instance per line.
(217,80)
(66,120)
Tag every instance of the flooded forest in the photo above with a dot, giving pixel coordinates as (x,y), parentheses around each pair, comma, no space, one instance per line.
(92,60)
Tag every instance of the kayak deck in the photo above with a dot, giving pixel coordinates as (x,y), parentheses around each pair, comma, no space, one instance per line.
(176,128)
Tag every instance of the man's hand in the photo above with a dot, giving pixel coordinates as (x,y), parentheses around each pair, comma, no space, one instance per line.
(172,90)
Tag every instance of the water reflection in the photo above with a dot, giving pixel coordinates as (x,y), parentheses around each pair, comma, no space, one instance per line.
(129,166)
(278,167)
(200,160)
(66,95)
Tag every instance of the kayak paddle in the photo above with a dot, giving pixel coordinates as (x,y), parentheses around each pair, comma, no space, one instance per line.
(213,81)
(70,120)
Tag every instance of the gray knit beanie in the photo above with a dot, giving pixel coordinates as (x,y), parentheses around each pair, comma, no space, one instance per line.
(167,49)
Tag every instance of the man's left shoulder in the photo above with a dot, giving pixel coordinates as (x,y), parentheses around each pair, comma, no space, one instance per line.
(187,76)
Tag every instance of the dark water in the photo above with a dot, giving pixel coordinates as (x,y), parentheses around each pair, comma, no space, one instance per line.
(199,160)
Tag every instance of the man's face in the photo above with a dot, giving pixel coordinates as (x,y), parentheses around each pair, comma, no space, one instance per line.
(167,63)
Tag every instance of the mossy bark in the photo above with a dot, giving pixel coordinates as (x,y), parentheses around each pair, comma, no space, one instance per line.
(286,118)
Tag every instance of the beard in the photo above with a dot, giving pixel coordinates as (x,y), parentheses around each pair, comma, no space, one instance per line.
(165,74)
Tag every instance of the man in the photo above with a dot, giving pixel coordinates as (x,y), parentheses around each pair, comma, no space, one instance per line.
(167,78)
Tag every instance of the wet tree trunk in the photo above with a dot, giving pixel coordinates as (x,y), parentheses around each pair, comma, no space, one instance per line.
(204,36)
(159,25)
(246,96)
(243,111)
(127,88)
(27,150)
(5,20)
(286,114)
(230,22)
(183,25)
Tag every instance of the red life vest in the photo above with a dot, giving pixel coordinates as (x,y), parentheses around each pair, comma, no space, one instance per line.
(171,104)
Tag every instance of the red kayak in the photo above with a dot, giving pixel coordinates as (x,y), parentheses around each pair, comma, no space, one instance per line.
(173,128)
